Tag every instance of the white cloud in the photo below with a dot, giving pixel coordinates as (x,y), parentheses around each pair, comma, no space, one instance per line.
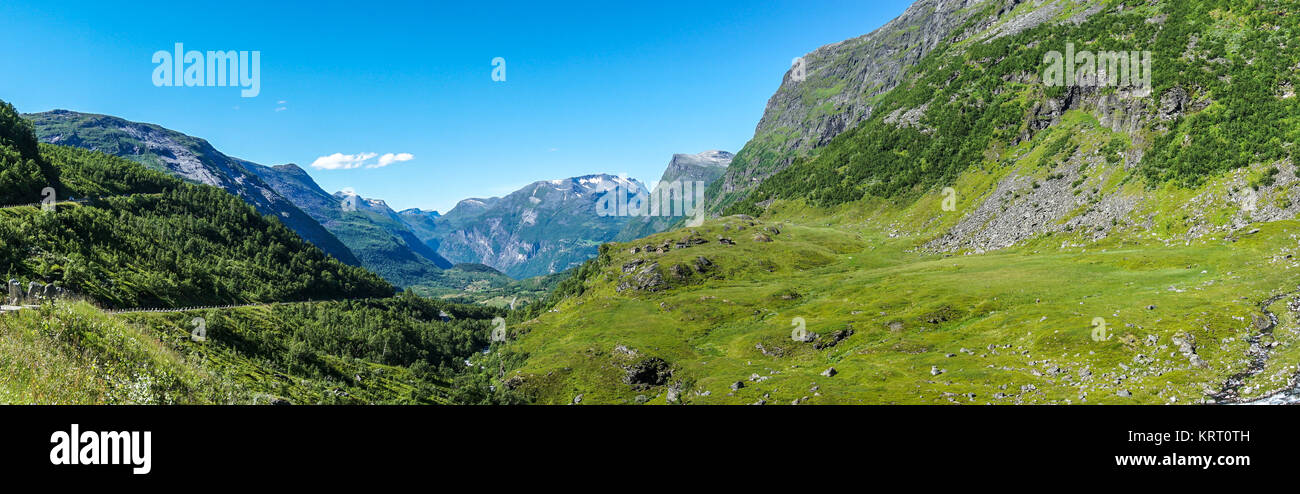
(340,161)
(390,158)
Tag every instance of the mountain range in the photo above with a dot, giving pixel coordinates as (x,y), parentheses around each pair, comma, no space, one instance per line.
(542,229)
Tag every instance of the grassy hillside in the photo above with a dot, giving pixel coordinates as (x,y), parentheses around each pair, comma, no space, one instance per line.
(396,351)
(886,315)
(146,239)
(154,241)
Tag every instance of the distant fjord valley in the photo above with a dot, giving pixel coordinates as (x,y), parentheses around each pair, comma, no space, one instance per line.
(920,217)
(494,250)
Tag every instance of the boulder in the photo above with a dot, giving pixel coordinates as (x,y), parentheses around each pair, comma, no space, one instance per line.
(651,371)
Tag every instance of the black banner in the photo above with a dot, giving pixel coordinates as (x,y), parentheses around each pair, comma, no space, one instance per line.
(319,443)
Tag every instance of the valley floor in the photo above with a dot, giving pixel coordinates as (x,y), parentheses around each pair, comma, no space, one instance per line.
(1126,320)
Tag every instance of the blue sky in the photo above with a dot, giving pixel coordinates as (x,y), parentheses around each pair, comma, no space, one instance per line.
(613,87)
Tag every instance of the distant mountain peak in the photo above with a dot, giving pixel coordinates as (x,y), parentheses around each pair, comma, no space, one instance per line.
(702,168)
(420,212)
(713,156)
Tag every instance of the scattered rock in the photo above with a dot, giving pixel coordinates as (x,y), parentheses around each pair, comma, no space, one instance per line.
(703,264)
(646,279)
(674,392)
(835,337)
(513,382)
(652,371)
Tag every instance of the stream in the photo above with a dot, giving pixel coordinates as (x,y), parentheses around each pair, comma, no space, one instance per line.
(1260,354)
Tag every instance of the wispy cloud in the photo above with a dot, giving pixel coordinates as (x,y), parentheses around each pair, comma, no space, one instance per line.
(390,158)
(340,161)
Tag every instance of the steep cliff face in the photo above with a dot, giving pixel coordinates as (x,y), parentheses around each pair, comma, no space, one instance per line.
(841,82)
(421,222)
(696,169)
(187,157)
(543,228)
(1205,115)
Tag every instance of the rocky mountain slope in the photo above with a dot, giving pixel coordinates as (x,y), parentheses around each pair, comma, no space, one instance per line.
(543,228)
(190,158)
(422,223)
(388,243)
(372,230)
(842,82)
(694,169)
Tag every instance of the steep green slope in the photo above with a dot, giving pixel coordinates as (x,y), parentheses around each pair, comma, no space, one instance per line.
(838,86)
(167,243)
(394,351)
(23,174)
(187,157)
(151,240)
(1217,104)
